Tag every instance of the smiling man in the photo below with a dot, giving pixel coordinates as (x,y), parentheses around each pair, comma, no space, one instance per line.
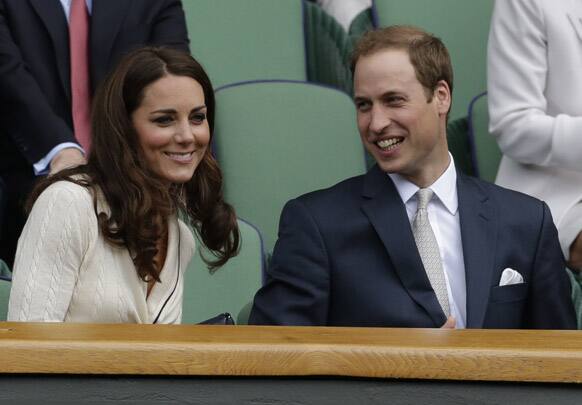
(414,242)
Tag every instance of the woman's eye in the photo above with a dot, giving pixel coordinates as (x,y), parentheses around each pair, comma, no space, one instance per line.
(198,118)
(163,120)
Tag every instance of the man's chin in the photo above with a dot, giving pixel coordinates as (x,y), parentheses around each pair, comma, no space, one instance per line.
(388,167)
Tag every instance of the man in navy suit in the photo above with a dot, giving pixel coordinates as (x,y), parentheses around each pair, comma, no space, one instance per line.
(355,255)
(36,125)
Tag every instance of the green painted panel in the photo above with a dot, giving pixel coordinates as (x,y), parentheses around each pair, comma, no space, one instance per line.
(230,288)
(463,25)
(275,141)
(4,296)
(239,40)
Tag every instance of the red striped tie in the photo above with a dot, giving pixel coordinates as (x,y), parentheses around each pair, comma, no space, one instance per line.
(80,83)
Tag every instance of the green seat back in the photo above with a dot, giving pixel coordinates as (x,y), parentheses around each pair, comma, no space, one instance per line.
(238,40)
(361,24)
(487,152)
(328,49)
(5,270)
(278,140)
(230,288)
(463,25)
(4,296)
(459,145)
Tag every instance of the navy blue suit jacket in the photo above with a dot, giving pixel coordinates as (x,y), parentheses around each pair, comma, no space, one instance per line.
(35,91)
(346,256)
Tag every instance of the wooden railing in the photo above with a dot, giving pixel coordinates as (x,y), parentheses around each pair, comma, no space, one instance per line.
(477,355)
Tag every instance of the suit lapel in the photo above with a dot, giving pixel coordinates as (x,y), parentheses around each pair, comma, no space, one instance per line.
(478,236)
(106,19)
(385,210)
(52,15)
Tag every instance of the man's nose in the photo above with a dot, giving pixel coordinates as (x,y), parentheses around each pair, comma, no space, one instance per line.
(379,120)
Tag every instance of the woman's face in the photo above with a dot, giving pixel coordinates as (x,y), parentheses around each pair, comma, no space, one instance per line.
(172,128)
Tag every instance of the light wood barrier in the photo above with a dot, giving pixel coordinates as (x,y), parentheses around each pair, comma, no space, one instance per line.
(194,350)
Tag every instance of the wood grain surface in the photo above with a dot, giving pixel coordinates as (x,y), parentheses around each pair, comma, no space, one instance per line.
(478,355)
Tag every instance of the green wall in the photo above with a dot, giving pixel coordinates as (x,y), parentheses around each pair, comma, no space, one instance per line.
(463,25)
(240,40)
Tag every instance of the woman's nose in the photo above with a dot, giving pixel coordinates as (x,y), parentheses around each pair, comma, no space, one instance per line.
(185,132)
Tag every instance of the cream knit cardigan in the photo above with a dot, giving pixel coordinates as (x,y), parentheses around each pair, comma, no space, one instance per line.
(66,271)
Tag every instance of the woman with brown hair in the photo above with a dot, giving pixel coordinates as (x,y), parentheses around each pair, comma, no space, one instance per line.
(109,241)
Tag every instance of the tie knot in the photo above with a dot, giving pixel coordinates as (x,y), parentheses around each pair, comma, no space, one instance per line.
(423,195)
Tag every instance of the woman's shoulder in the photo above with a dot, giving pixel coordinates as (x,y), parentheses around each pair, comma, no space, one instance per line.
(62,195)
(68,190)
(63,206)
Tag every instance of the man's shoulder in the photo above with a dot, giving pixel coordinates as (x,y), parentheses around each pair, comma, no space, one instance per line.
(341,192)
(508,201)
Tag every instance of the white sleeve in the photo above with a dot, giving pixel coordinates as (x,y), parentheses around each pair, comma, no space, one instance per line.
(51,253)
(517,68)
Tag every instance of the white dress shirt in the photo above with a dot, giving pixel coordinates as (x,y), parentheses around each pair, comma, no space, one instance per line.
(443,214)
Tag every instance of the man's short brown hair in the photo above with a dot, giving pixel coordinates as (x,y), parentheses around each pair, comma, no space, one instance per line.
(428,55)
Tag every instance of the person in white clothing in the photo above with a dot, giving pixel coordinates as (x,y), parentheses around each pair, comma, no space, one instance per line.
(104,242)
(344,11)
(535,107)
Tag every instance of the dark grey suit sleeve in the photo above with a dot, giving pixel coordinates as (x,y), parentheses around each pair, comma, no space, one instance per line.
(297,287)
(550,304)
(26,115)
(169,27)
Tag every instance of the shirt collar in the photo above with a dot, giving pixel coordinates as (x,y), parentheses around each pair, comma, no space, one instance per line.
(67,7)
(445,187)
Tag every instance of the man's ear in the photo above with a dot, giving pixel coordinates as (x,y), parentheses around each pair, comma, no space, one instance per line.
(442,96)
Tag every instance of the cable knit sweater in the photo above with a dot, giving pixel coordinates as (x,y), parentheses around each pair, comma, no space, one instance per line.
(66,271)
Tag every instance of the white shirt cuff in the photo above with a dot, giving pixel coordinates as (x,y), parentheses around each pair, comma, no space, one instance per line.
(42,166)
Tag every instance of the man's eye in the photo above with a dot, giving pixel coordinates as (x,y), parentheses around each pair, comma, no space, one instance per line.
(395,100)
(362,105)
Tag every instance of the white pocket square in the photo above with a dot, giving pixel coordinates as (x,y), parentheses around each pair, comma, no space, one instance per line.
(509,277)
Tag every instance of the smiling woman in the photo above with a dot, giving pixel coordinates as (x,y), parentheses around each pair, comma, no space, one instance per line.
(172,128)
(104,242)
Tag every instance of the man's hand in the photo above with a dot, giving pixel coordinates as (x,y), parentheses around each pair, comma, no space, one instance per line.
(66,158)
(575,260)
(450,323)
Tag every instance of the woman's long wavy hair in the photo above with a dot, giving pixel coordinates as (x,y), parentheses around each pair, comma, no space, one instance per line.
(139,201)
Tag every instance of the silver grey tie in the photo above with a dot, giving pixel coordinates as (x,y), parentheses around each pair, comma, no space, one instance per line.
(429,249)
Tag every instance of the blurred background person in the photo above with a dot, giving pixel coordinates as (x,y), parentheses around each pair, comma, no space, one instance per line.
(104,241)
(535,108)
(344,11)
(53,54)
